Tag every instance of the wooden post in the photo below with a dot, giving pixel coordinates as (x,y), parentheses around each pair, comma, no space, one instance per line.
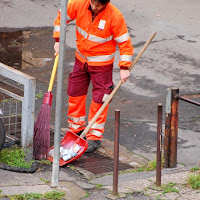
(167,127)
(174,129)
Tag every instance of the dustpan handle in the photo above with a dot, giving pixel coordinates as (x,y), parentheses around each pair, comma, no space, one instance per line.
(53,74)
(115,89)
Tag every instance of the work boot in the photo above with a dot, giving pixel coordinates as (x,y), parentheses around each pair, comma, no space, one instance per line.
(93,145)
(79,133)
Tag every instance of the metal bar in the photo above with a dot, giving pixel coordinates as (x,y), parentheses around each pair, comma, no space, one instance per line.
(159,142)
(28,113)
(167,127)
(11,94)
(188,100)
(3,106)
(9,120)
(16,118)
(59,92)
(116,152)
(14,74)
(174,128)
(28,104)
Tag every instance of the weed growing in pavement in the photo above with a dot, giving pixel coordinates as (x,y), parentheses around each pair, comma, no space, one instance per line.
(44,162)
(56,195)
(98,186)
(194,181)
(170,188)
(194,169)
(15,156)
(86,195)
(44,180)
(149,167)
(39,95)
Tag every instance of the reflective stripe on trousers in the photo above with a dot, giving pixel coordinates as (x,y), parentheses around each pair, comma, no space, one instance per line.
(77,110)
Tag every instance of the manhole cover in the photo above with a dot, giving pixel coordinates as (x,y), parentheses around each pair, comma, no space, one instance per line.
(98,164)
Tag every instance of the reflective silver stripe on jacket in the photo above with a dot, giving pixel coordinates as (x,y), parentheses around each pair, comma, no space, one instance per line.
(96,133)
(82,32)
(127,58)
(102,58)
(122,38)
(56,28)
(98,126)
(76,120)
(93,38)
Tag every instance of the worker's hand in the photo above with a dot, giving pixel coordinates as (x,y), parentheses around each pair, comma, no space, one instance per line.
(124,75)
(56,48)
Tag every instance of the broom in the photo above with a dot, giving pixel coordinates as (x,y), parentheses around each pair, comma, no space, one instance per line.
(41,138)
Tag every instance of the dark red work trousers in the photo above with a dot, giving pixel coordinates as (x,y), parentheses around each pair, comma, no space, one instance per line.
(79,80)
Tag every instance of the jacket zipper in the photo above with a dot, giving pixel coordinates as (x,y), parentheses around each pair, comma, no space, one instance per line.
(92,20)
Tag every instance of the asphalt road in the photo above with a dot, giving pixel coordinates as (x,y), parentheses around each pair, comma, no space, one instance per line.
(172,59)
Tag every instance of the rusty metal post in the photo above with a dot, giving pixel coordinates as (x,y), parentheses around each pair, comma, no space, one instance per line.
(159,145)
(116,152)
(167,127)
(174,128)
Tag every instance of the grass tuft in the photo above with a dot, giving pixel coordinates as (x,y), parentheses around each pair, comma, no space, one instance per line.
(55,195)
(194,181)
(15,156)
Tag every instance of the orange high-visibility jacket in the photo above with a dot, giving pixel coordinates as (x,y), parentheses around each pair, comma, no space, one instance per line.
(97,39)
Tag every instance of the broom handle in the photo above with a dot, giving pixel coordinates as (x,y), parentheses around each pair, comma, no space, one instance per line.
(115,89)
(53,74)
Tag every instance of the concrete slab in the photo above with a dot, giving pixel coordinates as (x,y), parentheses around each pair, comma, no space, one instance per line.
(14,190)
(14,178)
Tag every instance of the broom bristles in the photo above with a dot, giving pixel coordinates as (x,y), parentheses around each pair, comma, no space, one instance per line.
(41,139)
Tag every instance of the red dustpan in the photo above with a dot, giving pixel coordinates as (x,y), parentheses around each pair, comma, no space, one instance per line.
(68,141)
(70,138)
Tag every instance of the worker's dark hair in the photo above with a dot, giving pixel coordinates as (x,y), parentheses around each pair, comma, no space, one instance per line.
(103,2)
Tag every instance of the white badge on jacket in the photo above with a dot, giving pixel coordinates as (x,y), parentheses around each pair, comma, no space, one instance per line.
(102,24)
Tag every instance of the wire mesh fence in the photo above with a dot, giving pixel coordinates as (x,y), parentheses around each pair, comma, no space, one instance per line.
(11,114)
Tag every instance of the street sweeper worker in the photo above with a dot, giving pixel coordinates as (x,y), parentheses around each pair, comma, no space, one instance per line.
(100,27)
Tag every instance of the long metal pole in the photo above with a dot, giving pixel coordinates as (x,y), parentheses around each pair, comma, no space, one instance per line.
(159,143)
(116,152)
(59,92)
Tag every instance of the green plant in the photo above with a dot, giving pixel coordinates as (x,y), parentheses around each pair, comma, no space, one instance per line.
(15,156)
(170,188)
(44,162)
(194,169)
(99,186)
(39,95)
(54,195)
(150,166)
(86,195)
(44,180)
(32,196)
(194,181)
(26,196)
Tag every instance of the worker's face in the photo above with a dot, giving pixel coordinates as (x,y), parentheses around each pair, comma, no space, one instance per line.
(96,6)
